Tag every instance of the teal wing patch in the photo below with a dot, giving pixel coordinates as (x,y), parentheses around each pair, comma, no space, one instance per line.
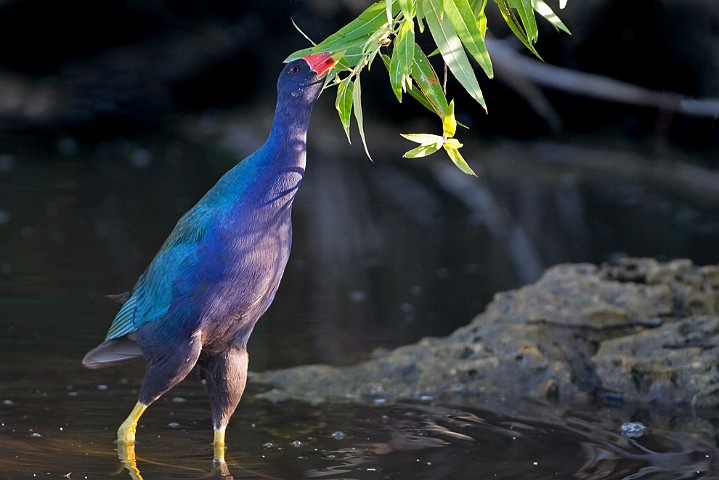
(124,320)
(153,293)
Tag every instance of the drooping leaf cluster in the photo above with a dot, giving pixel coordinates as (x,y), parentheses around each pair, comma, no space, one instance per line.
(458,28)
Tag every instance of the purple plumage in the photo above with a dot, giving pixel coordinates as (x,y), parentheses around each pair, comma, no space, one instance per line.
(218,271)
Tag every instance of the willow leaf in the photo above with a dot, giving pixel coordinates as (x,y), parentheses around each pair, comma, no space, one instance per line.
(431,94)
(449,123)
(546,11)
(401,62)
(458,159)
(514,25)
(526,14)
(343,104)
(354,33)
(357,104)
(423,138)
(408,8)
(462,18)
(451,49)
(422,151)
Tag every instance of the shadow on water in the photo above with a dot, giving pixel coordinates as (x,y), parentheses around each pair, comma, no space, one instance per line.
(383,255)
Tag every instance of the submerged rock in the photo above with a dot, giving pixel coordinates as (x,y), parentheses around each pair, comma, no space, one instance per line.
(641,331)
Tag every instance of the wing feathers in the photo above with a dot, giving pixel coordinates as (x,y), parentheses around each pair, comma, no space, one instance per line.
(112,352)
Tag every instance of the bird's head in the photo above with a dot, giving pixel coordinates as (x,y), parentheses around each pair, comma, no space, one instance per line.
(303,78)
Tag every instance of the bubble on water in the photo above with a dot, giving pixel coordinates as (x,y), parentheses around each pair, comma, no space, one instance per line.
(173,425)
(36,435)
(178,400)
(296,444)
(8,402)
(67,146)
(102,387)
(633,429)
(338,435)
(141,158)
(73,394)
(268,445)
(358,296)
(7,162)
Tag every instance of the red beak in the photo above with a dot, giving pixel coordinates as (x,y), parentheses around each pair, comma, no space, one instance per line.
(320,62)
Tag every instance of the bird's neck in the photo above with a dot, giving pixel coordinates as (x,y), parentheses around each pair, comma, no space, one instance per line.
(279,165)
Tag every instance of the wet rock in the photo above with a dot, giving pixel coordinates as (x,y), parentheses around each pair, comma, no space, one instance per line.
(640,331)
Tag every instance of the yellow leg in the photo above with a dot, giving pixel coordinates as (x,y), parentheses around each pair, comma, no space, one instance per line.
(126,432)
(219,445)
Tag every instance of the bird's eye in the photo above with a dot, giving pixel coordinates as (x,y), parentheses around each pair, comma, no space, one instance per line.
(294,69)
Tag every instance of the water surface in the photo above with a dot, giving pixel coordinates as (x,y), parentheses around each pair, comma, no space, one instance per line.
(383,255)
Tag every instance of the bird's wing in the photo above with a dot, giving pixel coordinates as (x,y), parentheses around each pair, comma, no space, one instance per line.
(153,293)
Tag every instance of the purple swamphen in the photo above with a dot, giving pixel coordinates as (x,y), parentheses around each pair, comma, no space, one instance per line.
(218,271)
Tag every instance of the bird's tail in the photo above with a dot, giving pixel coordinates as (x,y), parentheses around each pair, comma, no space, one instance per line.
(112,352)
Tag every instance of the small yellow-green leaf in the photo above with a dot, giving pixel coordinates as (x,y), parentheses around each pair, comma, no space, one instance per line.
(343,104)
(449,123)
(422,151)
(458,160)
(452,143)
(423,138)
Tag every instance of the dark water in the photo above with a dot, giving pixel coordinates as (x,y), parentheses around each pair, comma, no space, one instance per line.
(383,255)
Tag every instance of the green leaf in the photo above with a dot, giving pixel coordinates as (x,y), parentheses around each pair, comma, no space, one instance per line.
(422,151)
(458,160)
(400,67)
(408,8)
(419,14)
(526,13)
(354,33)
(546,11)
(343,104)
(451,49)
(514,25)
(423,138)
(462,18)
(449,123)
(430,90)
(414,92)
(357,104)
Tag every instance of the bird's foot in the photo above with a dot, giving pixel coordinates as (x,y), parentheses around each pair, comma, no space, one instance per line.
(126,432)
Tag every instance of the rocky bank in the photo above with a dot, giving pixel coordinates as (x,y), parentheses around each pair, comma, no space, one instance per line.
(640,331)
